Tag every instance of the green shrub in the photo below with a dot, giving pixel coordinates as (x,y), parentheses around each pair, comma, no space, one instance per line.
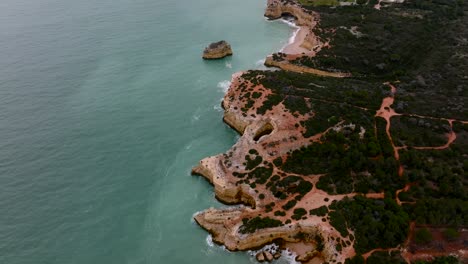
(253,224)
(290,204)
(422,236)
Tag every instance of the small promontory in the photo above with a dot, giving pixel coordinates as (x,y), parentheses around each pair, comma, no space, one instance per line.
(217,50)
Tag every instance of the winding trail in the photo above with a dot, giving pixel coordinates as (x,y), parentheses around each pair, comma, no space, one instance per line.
(386,112)
(405,189)
(451,138)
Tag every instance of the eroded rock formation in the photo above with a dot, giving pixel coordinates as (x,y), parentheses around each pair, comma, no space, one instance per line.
(305,209)
(303,18)
(217,50)
(269,136)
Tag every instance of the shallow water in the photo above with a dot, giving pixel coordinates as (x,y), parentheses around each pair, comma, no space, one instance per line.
(104,108)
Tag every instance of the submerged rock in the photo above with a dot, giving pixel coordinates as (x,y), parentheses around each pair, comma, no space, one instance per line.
(217,50)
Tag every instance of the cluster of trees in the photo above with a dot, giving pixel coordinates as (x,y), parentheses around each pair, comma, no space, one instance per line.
(352,163)
(376,223)
(375,51)
(253,224)
(290,204)
(438,174)
(321,211)
(422,236)
(252,163)
(439,192)
(298,213)
(292,89)
(443,211)
(411,131)
(259,175)
(284,187)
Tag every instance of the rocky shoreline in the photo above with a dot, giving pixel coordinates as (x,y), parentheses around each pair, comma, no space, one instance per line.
(272,135)
(224,224)
(278,206)
(304,19)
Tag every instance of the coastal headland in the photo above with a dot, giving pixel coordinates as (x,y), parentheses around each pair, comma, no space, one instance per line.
(334,146)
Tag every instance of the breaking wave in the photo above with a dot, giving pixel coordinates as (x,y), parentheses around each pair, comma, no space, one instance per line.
(224,85)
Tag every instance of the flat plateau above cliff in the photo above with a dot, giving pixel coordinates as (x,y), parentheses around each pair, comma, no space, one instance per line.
(354,152)
(217,50)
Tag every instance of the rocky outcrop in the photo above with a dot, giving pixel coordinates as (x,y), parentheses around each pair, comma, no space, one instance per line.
(224,224)
(304,18)
(277,8)
(217,50)
(264,256)
(212,169)
(260,257)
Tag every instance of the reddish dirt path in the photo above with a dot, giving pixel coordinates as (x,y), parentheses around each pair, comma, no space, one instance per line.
(368,254)
(386,112)
(443,247)
(451,138)
(405,189)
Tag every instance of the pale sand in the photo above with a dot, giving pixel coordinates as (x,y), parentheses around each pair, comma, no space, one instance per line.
(295,46)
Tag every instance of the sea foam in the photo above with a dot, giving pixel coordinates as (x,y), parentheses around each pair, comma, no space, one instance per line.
(287,256)
(294,34)
(224,85)
(260,63)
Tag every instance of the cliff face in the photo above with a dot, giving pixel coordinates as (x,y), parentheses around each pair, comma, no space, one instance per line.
(277,8)
(270,135)
(304,18)
(217,50)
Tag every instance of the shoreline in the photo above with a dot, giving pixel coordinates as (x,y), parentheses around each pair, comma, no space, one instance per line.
(294,45)
(223,224)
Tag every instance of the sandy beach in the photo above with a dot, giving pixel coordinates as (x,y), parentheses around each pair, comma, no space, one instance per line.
(295,46)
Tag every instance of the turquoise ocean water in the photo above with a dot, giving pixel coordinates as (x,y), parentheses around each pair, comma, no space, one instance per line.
(104,108)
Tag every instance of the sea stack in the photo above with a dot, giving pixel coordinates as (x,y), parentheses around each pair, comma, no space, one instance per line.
(217,50)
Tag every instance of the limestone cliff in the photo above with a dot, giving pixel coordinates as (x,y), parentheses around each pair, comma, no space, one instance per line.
(269,135)
(305,18)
